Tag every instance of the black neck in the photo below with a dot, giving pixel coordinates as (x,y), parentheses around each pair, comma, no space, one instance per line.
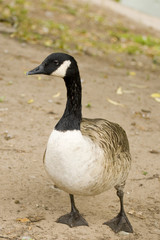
(72,116)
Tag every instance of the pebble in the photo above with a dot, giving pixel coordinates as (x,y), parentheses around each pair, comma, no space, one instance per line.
(7,136)
(23,44)
(17,202)
(49,14)
(3,109)
(5,50)
(27,238)
(123,233)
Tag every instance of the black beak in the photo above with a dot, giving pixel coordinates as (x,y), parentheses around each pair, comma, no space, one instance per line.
(37,70)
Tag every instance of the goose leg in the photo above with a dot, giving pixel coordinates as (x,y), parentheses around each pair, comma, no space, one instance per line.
(120,222)
(73,219)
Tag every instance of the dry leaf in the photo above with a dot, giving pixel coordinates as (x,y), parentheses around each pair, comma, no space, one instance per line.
(33,26)
(36,218)
(138,214)
(145,111)
(30,219)
(56,95)
(156,96)
(157,99)
(30,101)
(114,102)
(23,220)
(119,91)
(142,114)
(132,73)
(48,43)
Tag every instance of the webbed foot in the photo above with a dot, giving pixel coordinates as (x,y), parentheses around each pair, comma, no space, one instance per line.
(120,223)
(72,219)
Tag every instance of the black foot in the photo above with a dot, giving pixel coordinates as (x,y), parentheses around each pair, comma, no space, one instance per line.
(120,223)
(73,219)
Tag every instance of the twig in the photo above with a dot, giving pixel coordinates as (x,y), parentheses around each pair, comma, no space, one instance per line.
(5,237)
(147,178)
(12,149)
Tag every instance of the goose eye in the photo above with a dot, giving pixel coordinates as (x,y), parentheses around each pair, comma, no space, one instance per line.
(56,62)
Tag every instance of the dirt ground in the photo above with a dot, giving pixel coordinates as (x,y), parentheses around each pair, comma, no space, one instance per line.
(30,107)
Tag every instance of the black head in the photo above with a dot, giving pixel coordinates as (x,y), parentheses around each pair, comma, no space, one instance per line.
(56,64)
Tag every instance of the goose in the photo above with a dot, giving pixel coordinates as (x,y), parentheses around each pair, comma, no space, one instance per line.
(84,156)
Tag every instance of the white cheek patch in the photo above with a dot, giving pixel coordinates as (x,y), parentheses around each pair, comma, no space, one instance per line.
(61,71)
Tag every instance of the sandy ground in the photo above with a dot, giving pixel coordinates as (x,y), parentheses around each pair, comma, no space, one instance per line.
(29,109)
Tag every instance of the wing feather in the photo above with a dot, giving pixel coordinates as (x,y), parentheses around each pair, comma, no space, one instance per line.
(108,135)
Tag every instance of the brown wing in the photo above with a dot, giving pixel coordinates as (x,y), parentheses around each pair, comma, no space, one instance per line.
(109,136)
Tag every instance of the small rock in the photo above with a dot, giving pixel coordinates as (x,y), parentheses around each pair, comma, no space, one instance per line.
(5,50)
(49,14)
(7,136)
(23,44)
(27,238)
(123,233)
(3,109)
(51,112)
(154,151)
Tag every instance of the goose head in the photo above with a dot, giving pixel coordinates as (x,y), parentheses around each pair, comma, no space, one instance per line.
(65,66)
(57,64)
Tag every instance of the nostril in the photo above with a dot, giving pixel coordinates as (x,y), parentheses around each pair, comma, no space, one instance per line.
(37,70)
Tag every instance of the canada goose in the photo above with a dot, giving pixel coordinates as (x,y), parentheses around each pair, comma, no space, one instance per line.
(84,156)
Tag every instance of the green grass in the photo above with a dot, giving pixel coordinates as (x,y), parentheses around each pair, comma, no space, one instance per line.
(2,98)
(72,26)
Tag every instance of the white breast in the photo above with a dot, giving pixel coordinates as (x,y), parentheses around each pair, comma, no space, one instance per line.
(75,163)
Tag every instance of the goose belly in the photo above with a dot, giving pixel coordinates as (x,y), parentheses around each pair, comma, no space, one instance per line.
(77,165)
(74,162)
